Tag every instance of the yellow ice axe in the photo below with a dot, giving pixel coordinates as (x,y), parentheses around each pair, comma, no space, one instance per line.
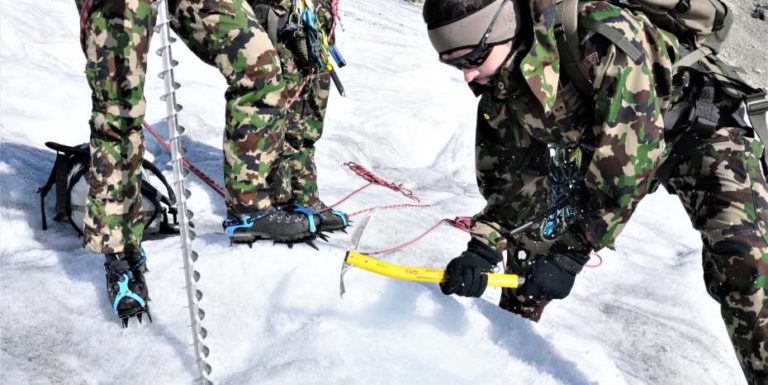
(406,273)
(420,274)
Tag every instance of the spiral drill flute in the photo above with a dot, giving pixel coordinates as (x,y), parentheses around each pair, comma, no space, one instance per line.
(187,234)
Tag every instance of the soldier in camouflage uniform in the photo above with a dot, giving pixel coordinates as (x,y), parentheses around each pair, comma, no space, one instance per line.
(308,88)
(115,38)
(540,143)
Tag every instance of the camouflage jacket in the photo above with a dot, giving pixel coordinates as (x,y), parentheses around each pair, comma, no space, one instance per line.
(620,130)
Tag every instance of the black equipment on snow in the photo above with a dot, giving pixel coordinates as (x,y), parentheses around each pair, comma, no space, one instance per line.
(126,285)
(281,224)
(68,174)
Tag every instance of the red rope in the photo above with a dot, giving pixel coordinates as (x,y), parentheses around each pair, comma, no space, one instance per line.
(409,243)
(210,182)
(375,179)
(461,223)
(342,200)
(85,13)
(335,16)
(395,206)
(599,262)
(303,84)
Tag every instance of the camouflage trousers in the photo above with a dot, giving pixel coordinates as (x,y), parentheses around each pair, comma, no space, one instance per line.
(308,92)
(722,188)
(296,179)
(222,33)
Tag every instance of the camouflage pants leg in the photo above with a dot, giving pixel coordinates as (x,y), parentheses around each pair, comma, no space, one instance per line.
(722,187)
(226,34)
(116,42)
(297,175)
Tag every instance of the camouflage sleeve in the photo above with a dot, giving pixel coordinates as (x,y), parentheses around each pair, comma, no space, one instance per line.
(628,126)
(508,171)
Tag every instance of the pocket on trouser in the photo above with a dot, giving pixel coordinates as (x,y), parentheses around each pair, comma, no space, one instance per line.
(731,214)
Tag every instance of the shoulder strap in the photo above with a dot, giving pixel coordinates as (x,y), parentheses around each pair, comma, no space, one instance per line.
(617,38)
(567,34)
(171,199)
(58,174)
(757,106)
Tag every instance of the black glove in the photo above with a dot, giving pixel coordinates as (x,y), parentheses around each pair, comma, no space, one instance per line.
(463,275)
(552,277)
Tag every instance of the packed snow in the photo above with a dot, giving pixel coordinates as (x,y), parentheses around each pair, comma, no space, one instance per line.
(274,314)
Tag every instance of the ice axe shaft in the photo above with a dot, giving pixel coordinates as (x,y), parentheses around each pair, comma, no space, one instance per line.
(420,274)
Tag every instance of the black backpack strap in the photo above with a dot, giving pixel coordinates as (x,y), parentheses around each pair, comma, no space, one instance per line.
(166,227)
(66,158)
(757,107)
(567,35)
(617,38)
(272,23)
(59,169)
(170,200)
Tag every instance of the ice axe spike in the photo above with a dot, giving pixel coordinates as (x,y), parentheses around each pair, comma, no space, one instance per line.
(354,242)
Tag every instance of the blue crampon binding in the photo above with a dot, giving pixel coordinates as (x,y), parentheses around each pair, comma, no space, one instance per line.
(310,216)
(231,225)
(125,292)
(341,215)
(244,222)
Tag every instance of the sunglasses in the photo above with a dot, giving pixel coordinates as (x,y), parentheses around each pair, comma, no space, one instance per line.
(480,53)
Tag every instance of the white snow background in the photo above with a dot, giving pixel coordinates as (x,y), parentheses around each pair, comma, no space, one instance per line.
(274,315)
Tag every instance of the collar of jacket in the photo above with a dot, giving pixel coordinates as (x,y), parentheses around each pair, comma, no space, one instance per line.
(540,67)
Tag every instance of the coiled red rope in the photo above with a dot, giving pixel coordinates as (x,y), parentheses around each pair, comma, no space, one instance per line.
(375,179)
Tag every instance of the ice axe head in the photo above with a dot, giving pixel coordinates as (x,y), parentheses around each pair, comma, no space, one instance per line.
(354,242)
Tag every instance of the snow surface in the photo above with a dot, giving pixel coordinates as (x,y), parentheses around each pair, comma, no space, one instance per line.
(274,314)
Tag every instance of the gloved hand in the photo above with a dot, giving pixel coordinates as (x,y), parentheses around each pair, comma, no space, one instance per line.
(552,277)
(463,275)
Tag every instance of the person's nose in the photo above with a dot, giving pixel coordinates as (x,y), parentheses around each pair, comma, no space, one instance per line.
(470,74)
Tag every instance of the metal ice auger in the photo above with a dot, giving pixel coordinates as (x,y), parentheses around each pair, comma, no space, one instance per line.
(196,314)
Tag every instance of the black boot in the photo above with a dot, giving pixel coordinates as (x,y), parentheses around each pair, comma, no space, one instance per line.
(332,220)
(281,225)
(126,285)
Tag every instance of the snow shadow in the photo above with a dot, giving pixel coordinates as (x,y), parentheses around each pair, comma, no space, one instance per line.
(209,159)
(398,305)
(516,335)
(25,169)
